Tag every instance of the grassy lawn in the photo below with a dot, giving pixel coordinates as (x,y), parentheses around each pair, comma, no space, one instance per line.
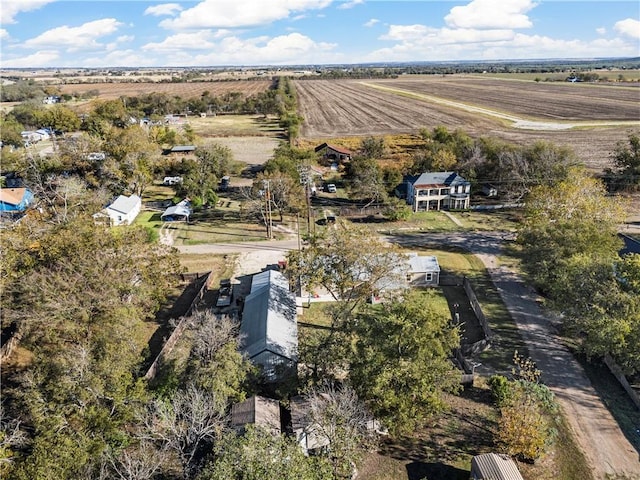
(235,125)
(496,220)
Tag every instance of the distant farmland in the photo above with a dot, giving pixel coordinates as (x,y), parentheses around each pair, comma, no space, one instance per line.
(109,91)
(378,107)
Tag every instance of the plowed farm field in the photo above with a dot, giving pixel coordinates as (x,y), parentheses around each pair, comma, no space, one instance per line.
(108,91)
(591,119)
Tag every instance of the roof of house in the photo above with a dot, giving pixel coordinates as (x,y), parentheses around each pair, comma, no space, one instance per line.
(333,147)
(182,209)
(437,178)
(269,317)
(491,466)
(12,196)
(124,204)
(183,148)
(261,411)
(422,263)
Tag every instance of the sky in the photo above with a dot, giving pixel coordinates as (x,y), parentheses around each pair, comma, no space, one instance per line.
(213,33)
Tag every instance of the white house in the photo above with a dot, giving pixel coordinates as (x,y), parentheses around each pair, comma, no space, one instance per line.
(122,211)
(424,270)
(437,191)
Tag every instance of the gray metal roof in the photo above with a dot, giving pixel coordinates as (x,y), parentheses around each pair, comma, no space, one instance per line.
(422,264)
(124,204)
(269,317)
(492,466)
(439,178)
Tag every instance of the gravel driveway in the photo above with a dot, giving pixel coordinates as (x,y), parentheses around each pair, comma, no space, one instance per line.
(605,446)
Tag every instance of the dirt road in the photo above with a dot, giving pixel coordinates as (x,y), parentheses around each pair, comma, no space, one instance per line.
(607,450)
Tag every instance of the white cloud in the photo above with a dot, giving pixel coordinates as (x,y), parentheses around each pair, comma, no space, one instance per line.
(239,13)
(77,38)
(350,4)
(629,27)
(44,58)
(601,31)
(163,9)
(469,44)
(200,40)
(371,22)
(10,8)
(4,34)
(489,14)
(407,32)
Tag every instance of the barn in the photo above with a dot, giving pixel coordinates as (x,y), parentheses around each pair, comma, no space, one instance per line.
(333,153)
(269,326)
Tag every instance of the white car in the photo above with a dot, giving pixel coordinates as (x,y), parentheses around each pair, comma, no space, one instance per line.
(331,188)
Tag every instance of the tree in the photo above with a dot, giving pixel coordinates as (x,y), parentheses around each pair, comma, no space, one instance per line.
(400,360)
(527,409)
(338,415)
(626,160)
(366,180)
(187,424)
(574,216)
(217,366)
(10,130)
(336,262)
(12,437)
(61,118)
(259,455)
(200,181)
(372,147)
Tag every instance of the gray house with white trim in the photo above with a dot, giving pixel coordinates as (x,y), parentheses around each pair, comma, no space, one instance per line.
(269,325)
(437,191)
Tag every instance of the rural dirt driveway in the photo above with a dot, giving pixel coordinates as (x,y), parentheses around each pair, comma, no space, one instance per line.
(606,448)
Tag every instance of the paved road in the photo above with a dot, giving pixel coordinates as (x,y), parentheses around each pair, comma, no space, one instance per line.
(607,449)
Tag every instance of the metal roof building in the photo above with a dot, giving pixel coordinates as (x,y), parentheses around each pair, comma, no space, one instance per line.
(260,411)
(492,466)
(269,325)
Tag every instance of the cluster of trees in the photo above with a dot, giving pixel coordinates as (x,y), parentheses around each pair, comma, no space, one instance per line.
(397,356)
(570,250)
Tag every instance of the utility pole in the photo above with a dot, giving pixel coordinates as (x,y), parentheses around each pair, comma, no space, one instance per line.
(265,184)
(305,179)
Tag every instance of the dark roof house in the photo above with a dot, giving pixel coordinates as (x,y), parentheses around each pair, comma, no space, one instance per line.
(259,411)
(269,325)
(436,191)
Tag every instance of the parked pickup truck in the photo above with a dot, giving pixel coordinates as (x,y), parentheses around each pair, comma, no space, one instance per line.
(225,293)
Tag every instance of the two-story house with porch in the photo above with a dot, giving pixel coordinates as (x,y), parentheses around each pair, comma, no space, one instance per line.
(437,191)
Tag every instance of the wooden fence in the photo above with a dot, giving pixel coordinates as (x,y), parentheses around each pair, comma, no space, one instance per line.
(180,328)
(477,309)
(617,372)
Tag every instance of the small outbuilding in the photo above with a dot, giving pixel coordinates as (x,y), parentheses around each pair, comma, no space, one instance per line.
(181,150)
(179,212)
(259,411)
(123,211)
(424,270)
(493,466)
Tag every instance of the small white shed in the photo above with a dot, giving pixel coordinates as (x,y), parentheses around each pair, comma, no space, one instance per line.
(123,211)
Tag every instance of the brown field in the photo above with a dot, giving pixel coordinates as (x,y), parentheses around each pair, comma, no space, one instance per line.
(555,101)
(108,91)
(351,108)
